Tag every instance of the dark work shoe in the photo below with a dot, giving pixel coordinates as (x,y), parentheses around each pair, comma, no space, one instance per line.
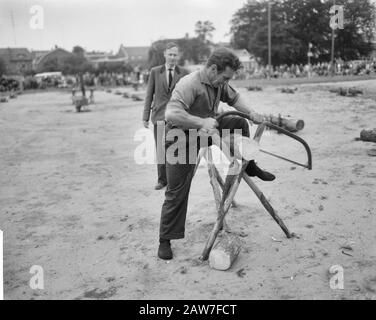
(160,186)
(164,250)
(254,171)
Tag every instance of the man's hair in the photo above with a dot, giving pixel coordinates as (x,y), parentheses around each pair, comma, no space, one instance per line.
(171,45)
(222,58)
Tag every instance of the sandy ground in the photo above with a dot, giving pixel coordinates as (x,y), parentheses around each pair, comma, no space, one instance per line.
(73,202)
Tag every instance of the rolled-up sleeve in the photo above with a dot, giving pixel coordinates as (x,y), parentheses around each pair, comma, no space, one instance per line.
(229,95)
(183,94)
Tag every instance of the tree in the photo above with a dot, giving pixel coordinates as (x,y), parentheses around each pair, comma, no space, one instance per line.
(50,65)
(295,24)
(194,50)
(155,55)
(78,51)
(3,67)
(114,67)
(77,64)
(355,40)
(204,30)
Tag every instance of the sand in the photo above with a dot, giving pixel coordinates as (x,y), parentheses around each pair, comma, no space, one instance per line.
(74,202)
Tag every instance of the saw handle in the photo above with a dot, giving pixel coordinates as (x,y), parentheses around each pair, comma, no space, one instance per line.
(274,127)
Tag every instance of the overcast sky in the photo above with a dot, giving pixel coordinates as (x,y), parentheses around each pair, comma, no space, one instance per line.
(105,24)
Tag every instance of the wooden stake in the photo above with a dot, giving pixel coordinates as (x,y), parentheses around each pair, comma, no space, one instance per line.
(267,205)
(228,194)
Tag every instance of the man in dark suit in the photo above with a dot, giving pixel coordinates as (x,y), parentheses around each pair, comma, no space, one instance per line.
(161,83)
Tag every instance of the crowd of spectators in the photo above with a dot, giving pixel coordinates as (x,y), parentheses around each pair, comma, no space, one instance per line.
(140,77)
(342,68)
(8,84)
(104,79)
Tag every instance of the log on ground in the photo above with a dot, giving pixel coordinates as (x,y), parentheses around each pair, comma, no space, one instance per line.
(225,252)
(368,135)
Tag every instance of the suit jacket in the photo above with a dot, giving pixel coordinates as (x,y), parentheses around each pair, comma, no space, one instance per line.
(158,93)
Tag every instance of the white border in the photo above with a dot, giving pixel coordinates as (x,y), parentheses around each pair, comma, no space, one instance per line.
(1,267)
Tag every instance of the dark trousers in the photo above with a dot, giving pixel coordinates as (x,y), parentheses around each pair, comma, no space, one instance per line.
(179,178)
(160,149)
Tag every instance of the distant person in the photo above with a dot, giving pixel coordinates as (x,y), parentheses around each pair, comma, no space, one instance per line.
(162,81)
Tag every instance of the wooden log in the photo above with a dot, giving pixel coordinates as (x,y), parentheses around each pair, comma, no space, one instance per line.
(290,124)
(225,252)
(368,135)
(138,96)
(354,92)
(254,88)
(289,90)
(347,92)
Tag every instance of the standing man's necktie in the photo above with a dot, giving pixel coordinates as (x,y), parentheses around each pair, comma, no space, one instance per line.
(169,79)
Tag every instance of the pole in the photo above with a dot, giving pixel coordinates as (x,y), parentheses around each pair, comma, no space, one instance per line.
(269,39)
(14,28)
(309,60)
(333,45)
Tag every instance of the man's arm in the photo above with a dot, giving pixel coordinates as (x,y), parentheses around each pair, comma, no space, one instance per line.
(242,106)
(177,115)
(149,98)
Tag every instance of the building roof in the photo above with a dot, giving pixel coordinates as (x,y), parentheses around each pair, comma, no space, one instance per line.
(39,53)
(137,51)
(15,54)
(38,62)
(95,55)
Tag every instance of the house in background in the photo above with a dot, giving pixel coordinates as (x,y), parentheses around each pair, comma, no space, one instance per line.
(37,55)
(100,57)
(51,61)
(17,60)
(134,56)
(248,60)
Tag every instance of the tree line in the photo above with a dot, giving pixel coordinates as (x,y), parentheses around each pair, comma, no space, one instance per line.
(300,25)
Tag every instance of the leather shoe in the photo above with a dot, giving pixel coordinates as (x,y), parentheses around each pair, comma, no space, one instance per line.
(254,171)
(160,186)
(164,250)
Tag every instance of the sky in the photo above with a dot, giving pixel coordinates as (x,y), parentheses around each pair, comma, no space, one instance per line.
(105,24)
